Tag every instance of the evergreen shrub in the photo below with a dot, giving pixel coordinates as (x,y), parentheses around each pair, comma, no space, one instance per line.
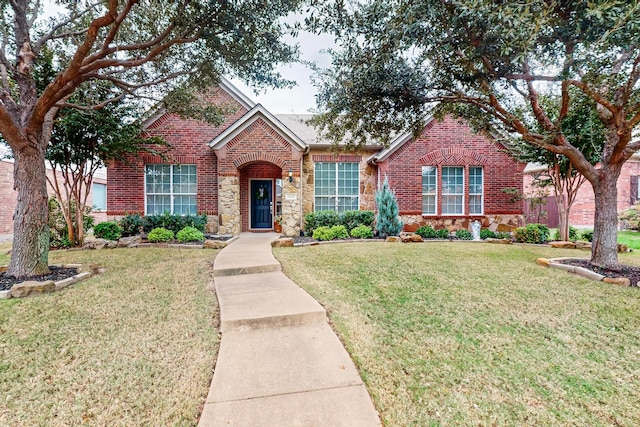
(109,230)
(464,235)
(160,234)
(531,233)
(131,225)
(362,232)
(190,234)
(174,223)
(388,221)
(427,232)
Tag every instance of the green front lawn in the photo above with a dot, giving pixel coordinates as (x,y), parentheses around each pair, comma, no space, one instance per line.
(629,238)
(478,334)
(130,347)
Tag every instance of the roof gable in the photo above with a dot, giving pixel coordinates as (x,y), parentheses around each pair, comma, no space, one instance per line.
(256,113)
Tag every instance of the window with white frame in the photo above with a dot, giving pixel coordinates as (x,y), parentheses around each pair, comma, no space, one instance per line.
(476,192)
(170,188)
(99,196)
(452,190)
(429,190)
(337,186)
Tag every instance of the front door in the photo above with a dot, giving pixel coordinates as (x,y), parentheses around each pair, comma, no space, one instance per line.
(261,204)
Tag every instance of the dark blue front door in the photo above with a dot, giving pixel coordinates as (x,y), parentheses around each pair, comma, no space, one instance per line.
(261,204)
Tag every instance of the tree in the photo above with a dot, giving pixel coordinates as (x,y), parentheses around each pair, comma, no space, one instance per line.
(83,142)
(388,221)
(144,49)
(585,131)
(486,61)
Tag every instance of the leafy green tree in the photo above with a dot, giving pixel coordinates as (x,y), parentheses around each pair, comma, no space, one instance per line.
(145,49)
(487,61)
(388,221)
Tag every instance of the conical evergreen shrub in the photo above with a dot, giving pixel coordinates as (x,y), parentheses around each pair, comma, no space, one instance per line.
(388,221)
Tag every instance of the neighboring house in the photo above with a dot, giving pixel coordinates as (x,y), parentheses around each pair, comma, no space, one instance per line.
(583,209)
(8,196)
(257,166)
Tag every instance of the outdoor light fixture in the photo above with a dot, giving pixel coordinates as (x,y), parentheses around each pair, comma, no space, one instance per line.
(290,175)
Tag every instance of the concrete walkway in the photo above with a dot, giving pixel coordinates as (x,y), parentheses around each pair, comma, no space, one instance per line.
(280,364)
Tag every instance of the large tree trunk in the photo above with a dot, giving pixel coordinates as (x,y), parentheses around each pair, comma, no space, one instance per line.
(605,231)
(30,251)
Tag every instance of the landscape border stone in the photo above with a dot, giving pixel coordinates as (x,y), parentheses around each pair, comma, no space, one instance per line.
(85,272)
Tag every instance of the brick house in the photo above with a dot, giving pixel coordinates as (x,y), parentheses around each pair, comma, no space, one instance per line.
(257,166)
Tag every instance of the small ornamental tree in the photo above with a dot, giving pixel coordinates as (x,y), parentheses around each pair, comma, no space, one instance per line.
(388,222)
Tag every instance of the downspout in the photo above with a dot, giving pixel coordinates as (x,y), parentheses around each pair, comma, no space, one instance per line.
(305,152)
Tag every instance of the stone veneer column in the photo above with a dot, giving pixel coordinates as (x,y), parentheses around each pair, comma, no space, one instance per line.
(229,205)
(291,207)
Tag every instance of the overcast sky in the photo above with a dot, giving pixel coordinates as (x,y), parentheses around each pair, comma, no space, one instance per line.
(301,98)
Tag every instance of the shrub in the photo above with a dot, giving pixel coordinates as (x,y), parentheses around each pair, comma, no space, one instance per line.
(427,232)
(314,220)
(630,218)
(388,221)
(109,230)
(532,233)
(160,234)
(322,233)
(442,233)
(131,225)
(174,223)
(485,233)
(464,235)
(339,232)
(503,235)
(573,234)
(353,219)
(586,235)
(362,232)
(190,234)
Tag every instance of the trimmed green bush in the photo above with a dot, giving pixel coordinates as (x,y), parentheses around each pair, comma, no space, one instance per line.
(485,233)
(362,232)
(503,235)
(464,235)
(190,234)
(323,233)
(339,232)
(427,232)
(174,223)
(109,230)
(160,234)
(531,233)
(442,233)
(353,219)
(349,219)
(586,235)
(573,234)
(131,225)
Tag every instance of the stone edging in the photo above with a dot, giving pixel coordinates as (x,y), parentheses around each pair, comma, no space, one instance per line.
(50,286)
(580,271)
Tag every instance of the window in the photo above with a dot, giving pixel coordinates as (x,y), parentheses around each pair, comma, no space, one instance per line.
(475,191)
(452,190)
(99,196)
(429,189)
(337,186)
(170,188)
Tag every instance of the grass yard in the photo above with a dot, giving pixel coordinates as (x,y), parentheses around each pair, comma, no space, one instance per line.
(478,334)
(629,238)
(134,346)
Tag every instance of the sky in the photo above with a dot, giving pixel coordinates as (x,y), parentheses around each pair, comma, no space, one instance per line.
(301,98)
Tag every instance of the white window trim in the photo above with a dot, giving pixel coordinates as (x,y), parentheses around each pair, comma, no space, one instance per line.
(337,196)
(442,194)
(171,194)
(435,213)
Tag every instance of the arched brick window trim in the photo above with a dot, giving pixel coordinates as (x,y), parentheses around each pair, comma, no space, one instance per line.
(258,157)
(453,156)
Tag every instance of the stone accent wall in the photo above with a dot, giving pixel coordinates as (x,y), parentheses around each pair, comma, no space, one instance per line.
(229,219)
(290,207)
(498,223)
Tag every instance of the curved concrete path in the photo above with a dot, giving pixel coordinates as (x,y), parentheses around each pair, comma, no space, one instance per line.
(279,364)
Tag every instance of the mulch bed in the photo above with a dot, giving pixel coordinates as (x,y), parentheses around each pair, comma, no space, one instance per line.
(57,274)
(630,272)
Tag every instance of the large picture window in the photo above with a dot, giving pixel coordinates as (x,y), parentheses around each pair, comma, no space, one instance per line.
(337,186)
(99,196)
(170,188)
(429,190)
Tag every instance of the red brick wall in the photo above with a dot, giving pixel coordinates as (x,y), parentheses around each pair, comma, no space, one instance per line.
(450,143)
(188,139)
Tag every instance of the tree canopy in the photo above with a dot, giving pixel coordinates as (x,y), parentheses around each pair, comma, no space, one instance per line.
(490,62)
